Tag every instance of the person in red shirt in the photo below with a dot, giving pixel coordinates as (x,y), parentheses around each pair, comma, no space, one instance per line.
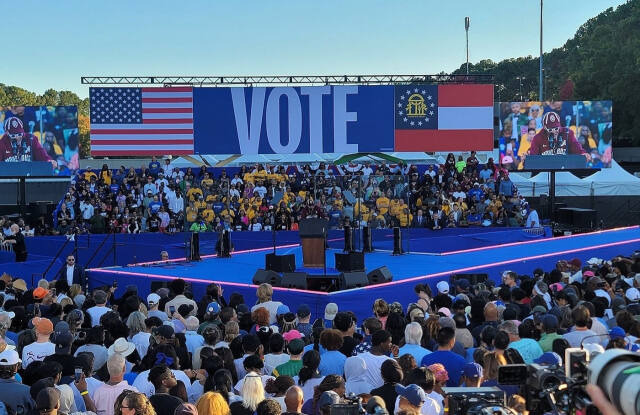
(555,139)
(16,145)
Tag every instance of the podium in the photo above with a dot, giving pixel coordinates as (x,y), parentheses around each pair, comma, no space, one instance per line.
(313,233)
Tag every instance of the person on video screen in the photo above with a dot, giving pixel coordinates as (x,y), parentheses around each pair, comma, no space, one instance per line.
(555,139)
(16,145)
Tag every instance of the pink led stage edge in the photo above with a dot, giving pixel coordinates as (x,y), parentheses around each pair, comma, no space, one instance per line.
(392,283)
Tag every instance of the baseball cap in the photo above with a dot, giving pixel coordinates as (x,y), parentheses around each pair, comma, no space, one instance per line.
(153,298)
(550,321)
(47,399)
(42,325)
(416,313)
(291,335)
(588,274)
(472,370)
(165,331)
(617,333)
(303,311)
(539,309)
(443,287)
(330,311)
(282,309)
(213,307)
(632,294)
(618,304)
(549,358)
(63,342)
(328,398)
(39,293)
(296,346)
(9,357)
(413,393)
(445,311)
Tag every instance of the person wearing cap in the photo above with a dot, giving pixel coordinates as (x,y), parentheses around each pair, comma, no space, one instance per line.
(413,341)
(550,326)
(411,398)
(178,287)
(105,396)
(304,320)
(12,392)
(294,364)
(63,340)
(326,400)
(330,311)
(471,375)
(100,309)
(264,292)
(549,359)
(153,302)
(42,347)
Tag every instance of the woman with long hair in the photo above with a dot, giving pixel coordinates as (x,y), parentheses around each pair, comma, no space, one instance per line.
(134,403)
(222,383)
(252,394)
(309,377)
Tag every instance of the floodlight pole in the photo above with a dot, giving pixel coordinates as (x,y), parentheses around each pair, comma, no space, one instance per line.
(540,96)
(467,22)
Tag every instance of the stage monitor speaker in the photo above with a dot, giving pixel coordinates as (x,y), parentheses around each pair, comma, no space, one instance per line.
(294,280)
(472,278)
(349,280)
(350,262)
(280,263)
(379,275)
(324,283)
(270,277)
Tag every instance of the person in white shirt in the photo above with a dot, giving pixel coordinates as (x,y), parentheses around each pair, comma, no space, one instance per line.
(100,309)
(160,180)
(178,286)
(165,354)
(380,348)
(42,347)
(533,220)
(276,357)
(86,208)
(105,396)
(167,168)
(260,189)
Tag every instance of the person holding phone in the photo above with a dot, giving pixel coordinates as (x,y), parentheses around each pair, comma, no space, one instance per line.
(178,287)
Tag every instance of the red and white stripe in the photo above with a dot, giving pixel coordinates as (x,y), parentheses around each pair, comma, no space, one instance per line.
(465,122)
(167,127)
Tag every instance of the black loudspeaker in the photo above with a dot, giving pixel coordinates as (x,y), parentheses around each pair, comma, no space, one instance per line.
(349,262)
(379,275)
(348,239)
(397,241)
(349,280)
(280,263)
(367,245)
(156,285)
(294,280)
(472,278)
(270,277)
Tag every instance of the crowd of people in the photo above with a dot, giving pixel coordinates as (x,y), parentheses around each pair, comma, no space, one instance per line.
(67,351)
(160,198)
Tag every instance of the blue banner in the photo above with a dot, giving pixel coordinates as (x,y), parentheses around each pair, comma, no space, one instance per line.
(285,120)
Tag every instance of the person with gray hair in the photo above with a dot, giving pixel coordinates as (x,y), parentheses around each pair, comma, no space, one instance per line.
(139,334)
(105,396)
(192,339)
(413,339)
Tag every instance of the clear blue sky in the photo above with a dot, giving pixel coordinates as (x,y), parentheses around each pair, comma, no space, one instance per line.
(50,44)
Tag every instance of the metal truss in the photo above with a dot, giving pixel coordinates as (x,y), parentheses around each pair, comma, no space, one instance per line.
(285,80)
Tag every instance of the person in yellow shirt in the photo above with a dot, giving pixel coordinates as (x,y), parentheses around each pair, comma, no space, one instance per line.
(192,212)
(207,180)
(395,207)
(208,214)
(228,211)
(200,204)
(382,203)
(248,177)
(404,218)
(88,174)
(192,192)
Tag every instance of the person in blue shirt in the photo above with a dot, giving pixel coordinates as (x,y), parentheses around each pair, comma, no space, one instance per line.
(443,355)
(332,361)
(154,205)
(154,166)
(412,338)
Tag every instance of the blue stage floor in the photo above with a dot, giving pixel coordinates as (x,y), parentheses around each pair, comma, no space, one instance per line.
(236,272)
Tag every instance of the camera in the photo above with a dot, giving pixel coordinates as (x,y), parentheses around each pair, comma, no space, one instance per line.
(482,400)
(352,405)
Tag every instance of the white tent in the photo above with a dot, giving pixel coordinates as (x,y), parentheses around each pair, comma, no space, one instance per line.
(614,181)
(566,185)
(525,187)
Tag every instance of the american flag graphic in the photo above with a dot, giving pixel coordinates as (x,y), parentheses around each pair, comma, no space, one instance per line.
(141,121)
